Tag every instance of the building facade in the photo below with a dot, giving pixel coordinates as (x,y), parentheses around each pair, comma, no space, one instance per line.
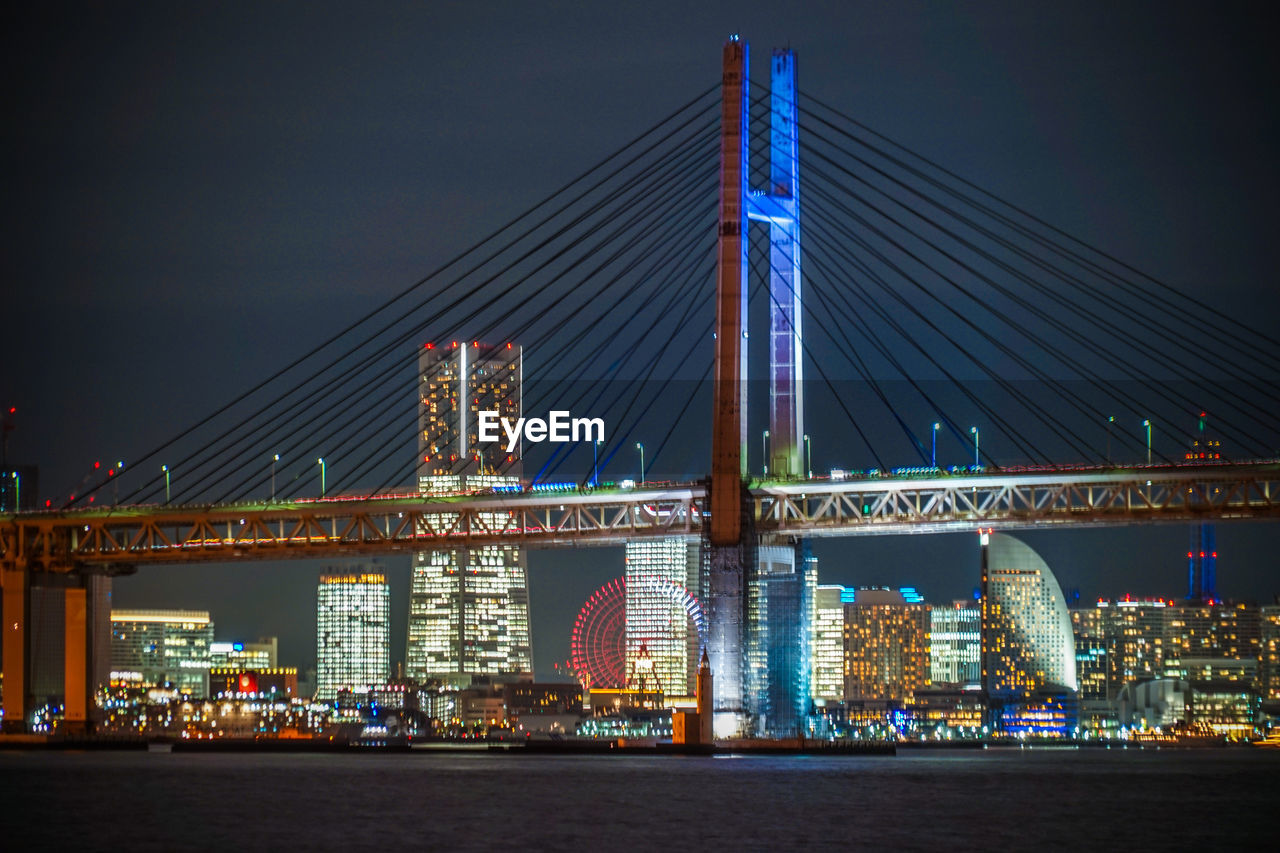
(1218,641)
(1027,643)
(828,644)
(661,576)
(886,646)
(779,637)
(158,647)
(262,654)
(468,607)
(353,632)
(1269,653)
(955,644)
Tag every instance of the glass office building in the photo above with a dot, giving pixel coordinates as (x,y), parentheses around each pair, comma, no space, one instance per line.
(662,577)
(353,632)
(780,612)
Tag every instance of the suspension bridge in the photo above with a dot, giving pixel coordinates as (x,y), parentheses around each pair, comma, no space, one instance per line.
(926,301)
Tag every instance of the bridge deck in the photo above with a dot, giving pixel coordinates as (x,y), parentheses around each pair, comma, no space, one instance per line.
(134,535)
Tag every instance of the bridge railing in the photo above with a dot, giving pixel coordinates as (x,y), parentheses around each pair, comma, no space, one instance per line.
(1020,499)
(136,535)
(126,536)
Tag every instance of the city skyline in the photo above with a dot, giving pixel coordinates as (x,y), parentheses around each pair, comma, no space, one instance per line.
(551,620)
(1104,667)
(827,450)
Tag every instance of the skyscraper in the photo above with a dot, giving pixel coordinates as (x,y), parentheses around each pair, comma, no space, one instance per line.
(659,573)
(353,632)
(780,612)
(1027,642)
(828,643)
(886,645)
(162,647)
(955,644)
(468,607)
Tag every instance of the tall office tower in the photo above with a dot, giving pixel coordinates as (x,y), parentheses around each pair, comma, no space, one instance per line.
(1269,652)
(661,575)
(955,644)
(779,629)
(353,632)
(828,643)
(154,647)
(468,607)
(886,645)
(1027,642)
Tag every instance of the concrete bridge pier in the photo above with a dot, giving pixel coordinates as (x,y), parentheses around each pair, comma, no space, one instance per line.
(84,611)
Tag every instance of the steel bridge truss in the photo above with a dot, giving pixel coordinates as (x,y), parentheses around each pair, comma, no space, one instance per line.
(130,536)
(1021,500)
(327,528)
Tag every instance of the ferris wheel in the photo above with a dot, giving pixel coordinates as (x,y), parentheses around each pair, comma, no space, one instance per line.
(598,644)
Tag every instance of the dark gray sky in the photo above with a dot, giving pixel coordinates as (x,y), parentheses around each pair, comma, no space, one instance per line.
(198,193)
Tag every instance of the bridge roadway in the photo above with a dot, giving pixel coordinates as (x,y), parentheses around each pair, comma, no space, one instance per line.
(115,538)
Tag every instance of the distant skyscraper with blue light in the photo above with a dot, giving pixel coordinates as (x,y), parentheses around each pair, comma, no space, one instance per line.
(780,613)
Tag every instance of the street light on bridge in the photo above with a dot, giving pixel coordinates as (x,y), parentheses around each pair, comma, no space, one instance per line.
(974,430)
(640,447)
(165,470)
(1147,424)
(764,452)
(322,476)
(808,457)
(274,459)
(1111,419)
(934,457)
(17,491)
(595,462)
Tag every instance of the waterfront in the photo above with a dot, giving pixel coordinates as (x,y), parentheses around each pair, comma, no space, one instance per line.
(999,798)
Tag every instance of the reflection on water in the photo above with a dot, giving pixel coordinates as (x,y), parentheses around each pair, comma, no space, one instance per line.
(1086,799)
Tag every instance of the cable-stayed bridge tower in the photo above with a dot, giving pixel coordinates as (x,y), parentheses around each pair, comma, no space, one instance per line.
(750,576)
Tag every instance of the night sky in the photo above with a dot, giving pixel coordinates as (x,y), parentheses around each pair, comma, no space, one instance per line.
(199,193)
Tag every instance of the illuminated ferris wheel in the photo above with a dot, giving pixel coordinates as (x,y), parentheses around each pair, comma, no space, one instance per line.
(598,645)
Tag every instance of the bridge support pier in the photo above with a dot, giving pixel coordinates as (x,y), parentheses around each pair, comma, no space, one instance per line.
(77,652)
(727,629)
(17,654)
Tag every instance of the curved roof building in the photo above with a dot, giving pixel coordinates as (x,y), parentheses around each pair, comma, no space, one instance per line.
(1027,642)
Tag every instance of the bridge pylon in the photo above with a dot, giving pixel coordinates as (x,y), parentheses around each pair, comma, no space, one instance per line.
(733,548)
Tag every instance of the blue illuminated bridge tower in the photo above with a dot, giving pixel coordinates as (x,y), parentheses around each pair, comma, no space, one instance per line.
(761,588)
